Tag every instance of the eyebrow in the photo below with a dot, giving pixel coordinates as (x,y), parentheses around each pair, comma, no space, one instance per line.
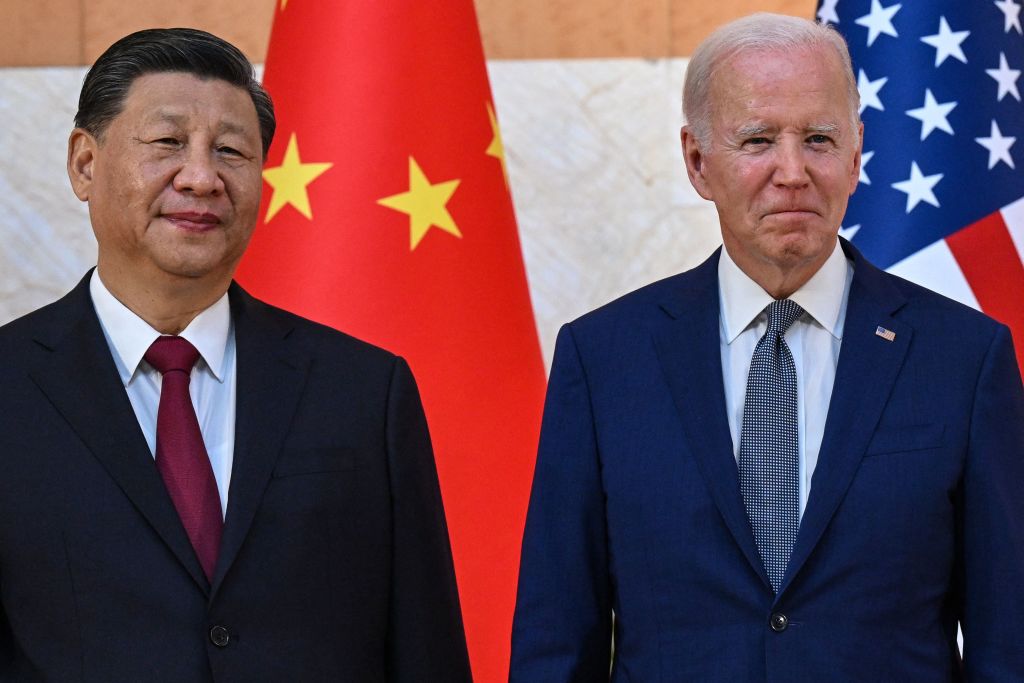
(752,130)
(178,119)
(755,129)
(165,116)
(830,128)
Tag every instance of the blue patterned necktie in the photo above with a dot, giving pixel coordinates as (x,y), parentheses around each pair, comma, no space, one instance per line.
(769,444)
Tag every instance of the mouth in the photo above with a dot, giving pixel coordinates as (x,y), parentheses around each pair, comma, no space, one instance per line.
(193,221)
(791,213)
(790,218)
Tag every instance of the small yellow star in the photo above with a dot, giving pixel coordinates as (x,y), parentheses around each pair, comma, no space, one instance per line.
(284,3)
(496,149)
(425,204)
(290,180)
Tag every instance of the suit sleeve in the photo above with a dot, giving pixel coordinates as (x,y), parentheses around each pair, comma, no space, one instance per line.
(563,617)
(426,641)
(992,523)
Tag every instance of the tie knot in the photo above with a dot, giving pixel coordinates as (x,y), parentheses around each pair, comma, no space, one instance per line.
(781,314)
(172,353)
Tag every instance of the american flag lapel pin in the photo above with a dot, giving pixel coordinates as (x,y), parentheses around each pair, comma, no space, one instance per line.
(887,335)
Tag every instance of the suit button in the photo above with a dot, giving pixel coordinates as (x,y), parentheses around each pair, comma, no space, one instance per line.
(779,622)
(219,636)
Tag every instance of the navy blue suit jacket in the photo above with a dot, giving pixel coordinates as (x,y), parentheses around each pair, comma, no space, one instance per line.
(334,564)
(915,518)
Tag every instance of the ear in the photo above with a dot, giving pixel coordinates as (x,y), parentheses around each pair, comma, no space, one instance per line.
(694,158)
(855,171)
(82,148)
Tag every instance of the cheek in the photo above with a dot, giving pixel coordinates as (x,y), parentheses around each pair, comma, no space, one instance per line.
(746,186)
(141,185)
(244,191)
(247,206)
(839,175)
(121,202)
(750,173)
(836,190)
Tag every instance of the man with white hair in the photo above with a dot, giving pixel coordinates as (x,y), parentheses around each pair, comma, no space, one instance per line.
(783,464)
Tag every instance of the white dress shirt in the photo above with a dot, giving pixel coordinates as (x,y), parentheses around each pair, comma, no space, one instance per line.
(212,385)
(814,341)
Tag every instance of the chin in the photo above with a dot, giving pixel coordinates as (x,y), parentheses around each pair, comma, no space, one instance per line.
(197,263)
(193,269)
(802,250)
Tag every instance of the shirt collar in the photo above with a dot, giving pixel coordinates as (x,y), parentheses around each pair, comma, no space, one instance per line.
(130,336)
(742,299)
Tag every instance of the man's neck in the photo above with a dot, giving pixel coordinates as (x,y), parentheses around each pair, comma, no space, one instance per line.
(779,281)
(168,304)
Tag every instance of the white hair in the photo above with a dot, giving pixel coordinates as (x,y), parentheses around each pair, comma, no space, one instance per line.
(756,33)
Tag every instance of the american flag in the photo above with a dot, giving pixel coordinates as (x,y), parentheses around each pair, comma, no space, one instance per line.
(941,193)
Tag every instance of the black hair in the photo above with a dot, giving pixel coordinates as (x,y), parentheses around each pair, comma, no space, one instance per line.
(159,50)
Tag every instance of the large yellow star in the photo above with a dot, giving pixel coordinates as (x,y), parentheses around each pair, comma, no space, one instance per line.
(496,149)
(425,204)
(290,180)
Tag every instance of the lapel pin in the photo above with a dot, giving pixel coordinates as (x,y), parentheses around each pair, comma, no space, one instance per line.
(887,335)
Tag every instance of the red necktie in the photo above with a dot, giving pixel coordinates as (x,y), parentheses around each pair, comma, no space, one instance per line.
(180,453)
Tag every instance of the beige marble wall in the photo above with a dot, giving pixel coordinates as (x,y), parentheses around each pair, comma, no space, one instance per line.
(601,195)
(45,240)
(602,198)
(75,32)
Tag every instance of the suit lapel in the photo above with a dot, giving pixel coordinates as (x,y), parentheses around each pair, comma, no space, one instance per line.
(271,375)
(867,369)
(689,350)
(81,381)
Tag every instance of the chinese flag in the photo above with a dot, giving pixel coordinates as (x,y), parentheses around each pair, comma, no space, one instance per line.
(386,213)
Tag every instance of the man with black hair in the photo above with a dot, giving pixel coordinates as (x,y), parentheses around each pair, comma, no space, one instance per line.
(198,486)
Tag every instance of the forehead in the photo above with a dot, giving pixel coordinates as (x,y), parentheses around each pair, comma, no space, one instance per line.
(804,82)
(185,97)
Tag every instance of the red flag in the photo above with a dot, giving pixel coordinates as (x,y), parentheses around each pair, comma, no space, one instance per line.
(386,214)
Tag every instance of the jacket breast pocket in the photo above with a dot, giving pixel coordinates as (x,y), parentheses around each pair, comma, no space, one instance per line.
(294,462)
(905,438)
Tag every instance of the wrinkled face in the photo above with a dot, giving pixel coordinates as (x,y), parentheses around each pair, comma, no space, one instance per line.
(174,182)
(784,156)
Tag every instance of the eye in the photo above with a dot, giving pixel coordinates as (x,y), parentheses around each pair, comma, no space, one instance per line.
(819,139)
(229,151)
(168,141)
(756,141)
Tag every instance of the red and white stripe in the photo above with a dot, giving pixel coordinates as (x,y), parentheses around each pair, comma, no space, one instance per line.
(981,265)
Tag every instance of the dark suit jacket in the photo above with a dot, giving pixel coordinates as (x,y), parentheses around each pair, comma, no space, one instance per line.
(915,517)
(335,563)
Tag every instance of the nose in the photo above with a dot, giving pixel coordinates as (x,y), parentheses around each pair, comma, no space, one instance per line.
(791,164)
(198,173)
